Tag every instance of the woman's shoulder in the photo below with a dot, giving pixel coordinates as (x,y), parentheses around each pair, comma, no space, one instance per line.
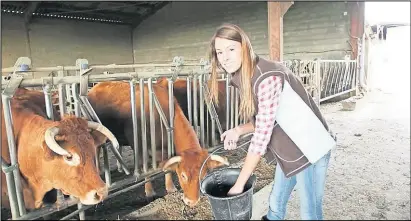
(265,65)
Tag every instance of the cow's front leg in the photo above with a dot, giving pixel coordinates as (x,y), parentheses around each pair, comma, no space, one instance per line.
(170,187)
(150,193)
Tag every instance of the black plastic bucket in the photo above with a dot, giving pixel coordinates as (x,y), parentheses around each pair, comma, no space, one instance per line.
(216,185)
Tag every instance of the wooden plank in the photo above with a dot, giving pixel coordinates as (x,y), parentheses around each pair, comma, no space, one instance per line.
(285,6)
(275,30)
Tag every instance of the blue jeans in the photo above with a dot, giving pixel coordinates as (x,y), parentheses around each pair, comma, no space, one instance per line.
(310,186)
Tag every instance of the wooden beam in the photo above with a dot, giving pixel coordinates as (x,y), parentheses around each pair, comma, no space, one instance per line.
(285,6)
(28,13)
(275,30)
(357,25)
(276,12)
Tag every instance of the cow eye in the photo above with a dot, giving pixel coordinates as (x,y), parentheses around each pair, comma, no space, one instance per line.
(183,176)
(68,158)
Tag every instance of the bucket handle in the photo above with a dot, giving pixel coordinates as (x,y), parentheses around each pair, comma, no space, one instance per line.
(202,165)
(217,149)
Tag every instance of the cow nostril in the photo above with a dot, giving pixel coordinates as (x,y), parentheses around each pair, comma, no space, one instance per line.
(98,196)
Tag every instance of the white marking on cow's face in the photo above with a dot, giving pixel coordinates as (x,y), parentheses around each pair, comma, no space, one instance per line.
(73,160)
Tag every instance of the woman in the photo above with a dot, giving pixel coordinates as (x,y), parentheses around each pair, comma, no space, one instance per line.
(260,83)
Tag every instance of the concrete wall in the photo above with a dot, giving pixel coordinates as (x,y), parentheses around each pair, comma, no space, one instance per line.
(55,42)
(317,29)
(185,28)
(311,29)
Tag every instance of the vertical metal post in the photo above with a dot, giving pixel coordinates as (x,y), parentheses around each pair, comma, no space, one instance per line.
(62,100)
(77,111)
(170,132)
(135,129)
(317,89)
(143,125)
(195,105)
(201,103)
(227,104)
(189,100)
(49,105)
(10,189)
(13,154)
(152,123)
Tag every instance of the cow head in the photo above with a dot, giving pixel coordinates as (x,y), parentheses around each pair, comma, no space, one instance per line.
(70,151)
(187,166)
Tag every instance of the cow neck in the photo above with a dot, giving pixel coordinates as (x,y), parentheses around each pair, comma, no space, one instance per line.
(184,136)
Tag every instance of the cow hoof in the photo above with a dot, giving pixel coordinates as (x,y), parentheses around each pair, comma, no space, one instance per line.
(38,204)
(150,196)
(172,190)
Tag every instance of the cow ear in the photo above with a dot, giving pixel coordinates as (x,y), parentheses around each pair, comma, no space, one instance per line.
(172,163)
(217,161)
(98,137)
(48,154)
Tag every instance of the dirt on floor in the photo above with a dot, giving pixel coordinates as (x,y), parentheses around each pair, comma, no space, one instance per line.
(133,205)
(171,207)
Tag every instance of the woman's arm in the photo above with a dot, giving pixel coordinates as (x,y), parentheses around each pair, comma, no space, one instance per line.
(268,97)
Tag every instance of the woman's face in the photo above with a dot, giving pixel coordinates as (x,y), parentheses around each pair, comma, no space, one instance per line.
(228,54)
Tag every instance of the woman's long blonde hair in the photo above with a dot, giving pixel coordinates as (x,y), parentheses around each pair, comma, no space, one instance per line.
(233,32)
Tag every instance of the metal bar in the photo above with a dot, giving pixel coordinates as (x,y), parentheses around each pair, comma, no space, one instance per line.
(170,130)
(75,99)
(117,193)
(62,100)
(143,125)
(107,174)
(236,109)
(232,107)
(189,100)
(152,123)
(227,104)
(13,154)
(195,100)
(49,105)
(201,103)
(135,128)
(338,94)
(97,67)
(10,189)
(96,78)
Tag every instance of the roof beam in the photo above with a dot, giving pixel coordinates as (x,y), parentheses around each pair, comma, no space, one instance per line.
(147,15)
(56,8)
(28,13)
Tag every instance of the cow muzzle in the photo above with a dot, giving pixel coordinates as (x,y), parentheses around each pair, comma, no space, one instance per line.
(95,196)
(190,203)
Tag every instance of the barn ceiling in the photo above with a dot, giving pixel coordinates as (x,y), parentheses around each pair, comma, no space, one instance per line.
(116,12)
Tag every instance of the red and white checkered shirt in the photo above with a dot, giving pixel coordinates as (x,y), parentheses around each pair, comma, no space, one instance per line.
(269,91)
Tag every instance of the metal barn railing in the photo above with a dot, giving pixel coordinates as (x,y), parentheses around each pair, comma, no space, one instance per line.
(72,83)
(78,88)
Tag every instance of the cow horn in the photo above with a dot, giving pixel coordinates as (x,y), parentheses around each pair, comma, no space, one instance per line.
(220,159)
(105,131)
(171,161)
(51,142)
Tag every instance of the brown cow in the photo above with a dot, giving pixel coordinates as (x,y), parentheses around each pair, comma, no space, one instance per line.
(180,93)
(111,102)
(53,154)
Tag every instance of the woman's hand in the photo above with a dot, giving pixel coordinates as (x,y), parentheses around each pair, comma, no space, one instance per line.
(235,190)
(230,138)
